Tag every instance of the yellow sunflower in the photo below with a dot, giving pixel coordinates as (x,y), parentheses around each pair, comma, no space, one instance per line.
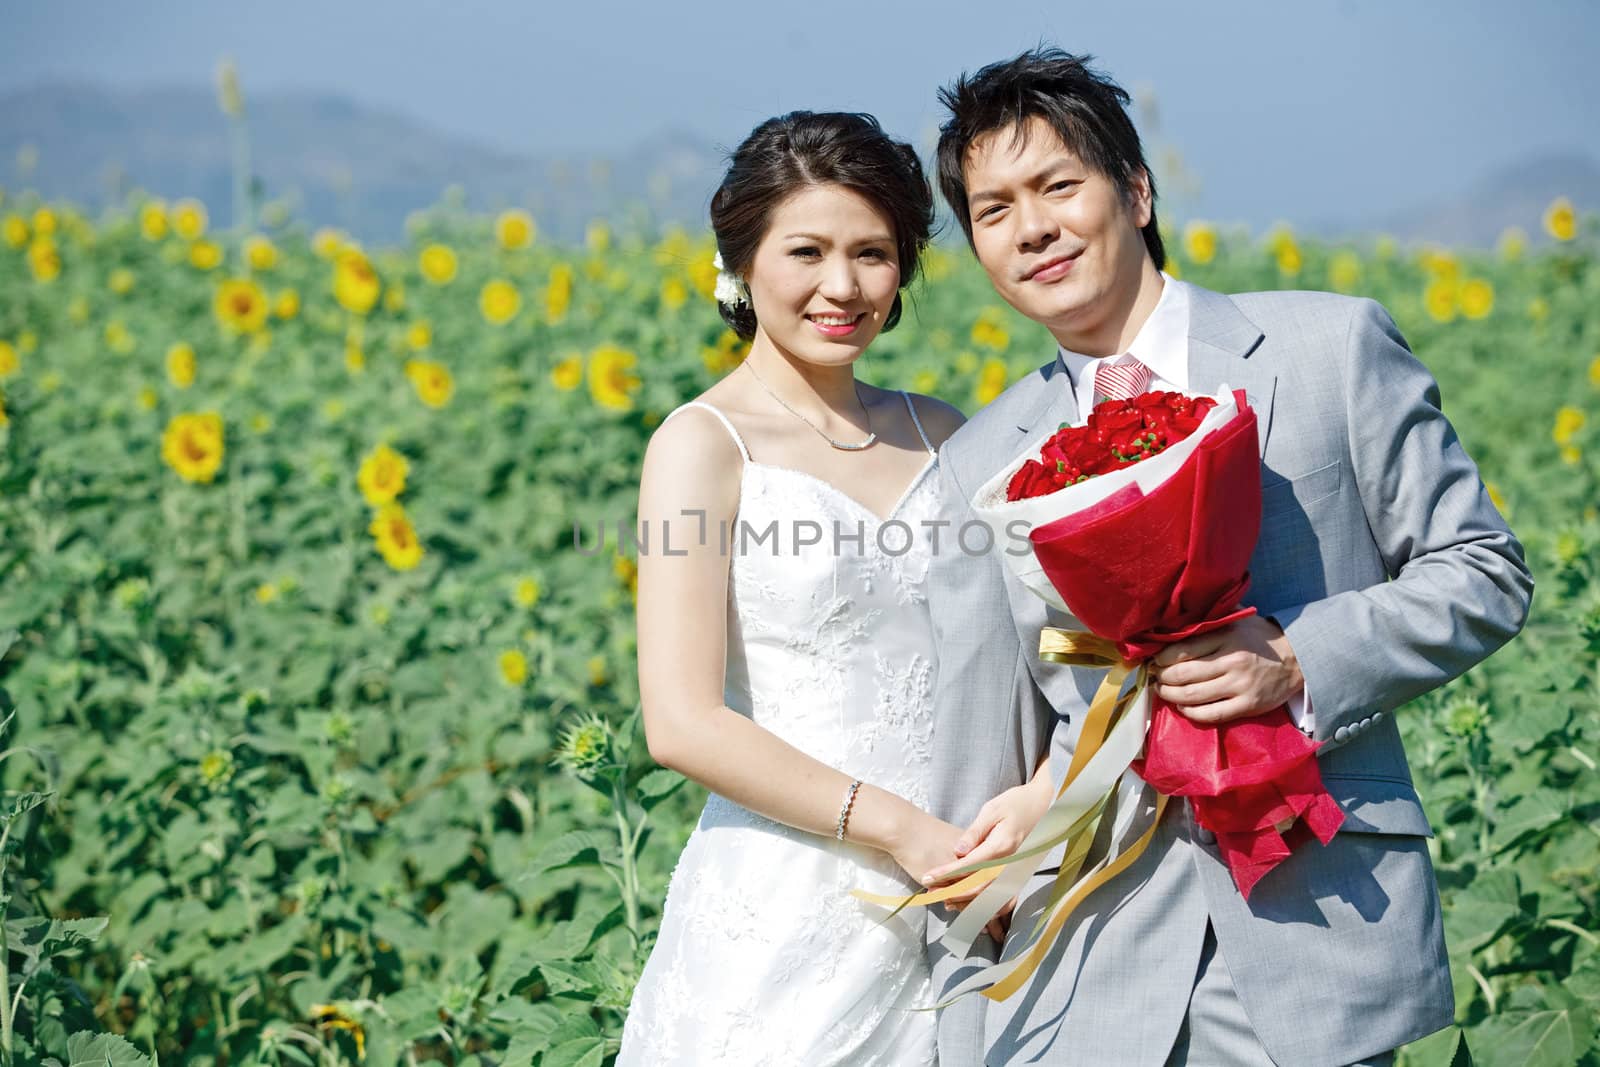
(437,264)
(327,242)
(568,374)
(189,219)
(674,293)
(515,229)
(44,259)
(1200,242)
(991,381)
(1288,256)
(15,230)
(286,305)
(382,476)
(240,305)
(989,330)
(180,365)
(1560,220)
(419,335)
(205,255)
(153,222)
(431,380)
(499,302)
(703,274)
(355,283)
(558,294)
(1440,299)
(1476,298)
(513,667)
(395,537)
(192,445)
(727,354)
(118,338)
(612,382)
(10,362)
(1569,421)
(1344,271)
(260,252)
(120,281)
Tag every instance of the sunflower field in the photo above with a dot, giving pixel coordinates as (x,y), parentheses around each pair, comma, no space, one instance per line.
(321,740)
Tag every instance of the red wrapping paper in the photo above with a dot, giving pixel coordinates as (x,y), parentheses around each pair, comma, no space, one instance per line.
(1147,569)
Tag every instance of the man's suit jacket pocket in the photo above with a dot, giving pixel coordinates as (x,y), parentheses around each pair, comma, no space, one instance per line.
(1377,804)
(1278,490)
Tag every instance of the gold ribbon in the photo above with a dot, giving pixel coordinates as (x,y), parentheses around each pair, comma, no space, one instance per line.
(1029,963)
(1076,649)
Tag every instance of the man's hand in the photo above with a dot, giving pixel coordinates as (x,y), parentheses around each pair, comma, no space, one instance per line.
(1232,673)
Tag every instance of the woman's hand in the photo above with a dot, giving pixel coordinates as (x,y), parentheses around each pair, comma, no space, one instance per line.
(1003,823)
(923,841)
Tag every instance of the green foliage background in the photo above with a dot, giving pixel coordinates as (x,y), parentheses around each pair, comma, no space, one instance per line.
(324,826)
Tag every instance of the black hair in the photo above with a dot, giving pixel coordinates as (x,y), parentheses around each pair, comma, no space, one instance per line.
(1085,108)
(803,148)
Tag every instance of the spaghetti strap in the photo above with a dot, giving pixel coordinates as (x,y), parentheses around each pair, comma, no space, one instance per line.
(918,423)
(743,451)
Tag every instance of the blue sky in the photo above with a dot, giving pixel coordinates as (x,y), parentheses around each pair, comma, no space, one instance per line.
(1277,109)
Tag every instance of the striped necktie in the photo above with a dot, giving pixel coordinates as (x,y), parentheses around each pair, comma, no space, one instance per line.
(1121,381)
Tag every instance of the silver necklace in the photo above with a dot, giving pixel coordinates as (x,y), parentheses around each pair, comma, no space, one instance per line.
(841,445)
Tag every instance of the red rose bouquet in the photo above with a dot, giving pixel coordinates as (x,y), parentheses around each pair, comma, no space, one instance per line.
(1119,433)
(1142,524)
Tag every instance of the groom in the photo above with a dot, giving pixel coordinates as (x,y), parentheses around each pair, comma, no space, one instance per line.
(1382,571)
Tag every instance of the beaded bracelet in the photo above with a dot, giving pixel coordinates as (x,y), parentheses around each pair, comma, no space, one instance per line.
(844,811)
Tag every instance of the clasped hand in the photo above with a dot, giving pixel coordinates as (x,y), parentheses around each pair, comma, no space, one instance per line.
(999,830)
(1240,670)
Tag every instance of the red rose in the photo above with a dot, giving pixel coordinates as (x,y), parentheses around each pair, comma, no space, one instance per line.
(1148,402)
(1125,417)
(1030,481)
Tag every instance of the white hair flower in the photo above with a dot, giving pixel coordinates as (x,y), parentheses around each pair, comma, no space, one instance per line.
(730,290)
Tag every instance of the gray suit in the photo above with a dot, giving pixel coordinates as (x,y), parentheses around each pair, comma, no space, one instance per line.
(1390,572)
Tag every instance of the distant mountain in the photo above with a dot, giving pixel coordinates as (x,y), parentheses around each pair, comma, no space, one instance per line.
(365,169)
(339,163)
(1514,194)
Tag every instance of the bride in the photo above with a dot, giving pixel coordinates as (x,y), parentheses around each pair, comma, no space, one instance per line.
(786,655)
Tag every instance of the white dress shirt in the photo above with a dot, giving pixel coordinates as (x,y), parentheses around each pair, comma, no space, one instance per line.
(1162,344)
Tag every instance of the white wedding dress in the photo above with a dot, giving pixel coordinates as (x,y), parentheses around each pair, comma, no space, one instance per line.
(763,957)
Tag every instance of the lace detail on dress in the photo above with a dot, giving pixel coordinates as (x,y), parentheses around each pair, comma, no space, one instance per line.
(763,957)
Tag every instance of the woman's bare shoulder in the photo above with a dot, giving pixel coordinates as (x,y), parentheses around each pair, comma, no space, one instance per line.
(691,460)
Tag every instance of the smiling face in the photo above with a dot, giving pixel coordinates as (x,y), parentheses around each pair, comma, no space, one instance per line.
(825,275)
(1058,239)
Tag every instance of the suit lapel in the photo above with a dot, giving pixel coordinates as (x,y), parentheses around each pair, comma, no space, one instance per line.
(1054,404)
(1221,341)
